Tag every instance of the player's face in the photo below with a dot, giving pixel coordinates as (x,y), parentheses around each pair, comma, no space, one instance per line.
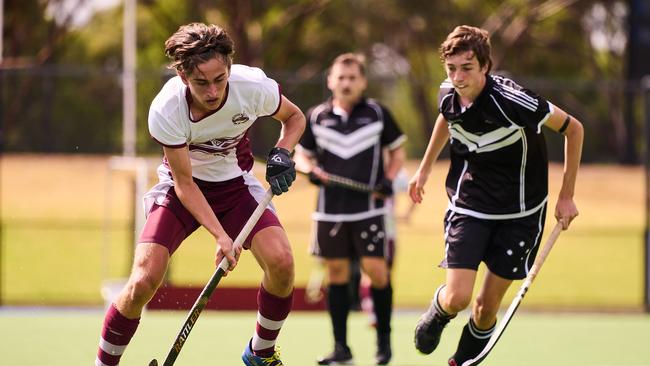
(466,74)
(346,83)
(207,83)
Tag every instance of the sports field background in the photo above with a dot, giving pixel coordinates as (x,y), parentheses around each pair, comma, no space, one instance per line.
(64,338)
(582,310)
(53,250)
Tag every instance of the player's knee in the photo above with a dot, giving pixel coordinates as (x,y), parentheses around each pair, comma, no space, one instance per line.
(483,313)
(379,282)
(281,270)
(378,277)
(455,302)
(338,272)
(141,289)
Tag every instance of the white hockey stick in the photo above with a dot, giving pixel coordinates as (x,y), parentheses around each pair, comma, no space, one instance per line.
(534,270)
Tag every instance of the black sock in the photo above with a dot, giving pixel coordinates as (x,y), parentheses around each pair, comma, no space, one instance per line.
(472,341)
(382,300)
(338,304)
(354,284)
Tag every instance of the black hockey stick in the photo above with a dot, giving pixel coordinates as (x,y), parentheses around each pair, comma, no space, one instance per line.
(337,180)
(534,270)
(202,301)
(343,182)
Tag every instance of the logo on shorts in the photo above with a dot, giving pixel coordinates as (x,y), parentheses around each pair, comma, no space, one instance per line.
(239,118)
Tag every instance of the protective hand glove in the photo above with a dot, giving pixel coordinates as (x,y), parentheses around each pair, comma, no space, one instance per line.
(280,171)
(384,187)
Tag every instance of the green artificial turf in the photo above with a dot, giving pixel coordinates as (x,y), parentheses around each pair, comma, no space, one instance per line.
(38,337)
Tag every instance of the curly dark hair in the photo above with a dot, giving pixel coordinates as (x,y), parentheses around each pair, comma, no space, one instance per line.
(467,38)
(196,43)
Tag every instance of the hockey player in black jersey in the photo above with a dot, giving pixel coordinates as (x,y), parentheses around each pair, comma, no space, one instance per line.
(497,187)
(347,136)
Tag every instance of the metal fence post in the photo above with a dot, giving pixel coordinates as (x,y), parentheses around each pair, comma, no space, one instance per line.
(645,87)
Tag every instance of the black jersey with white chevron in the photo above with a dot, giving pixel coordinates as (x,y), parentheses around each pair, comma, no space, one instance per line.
(350,147)
(499,164)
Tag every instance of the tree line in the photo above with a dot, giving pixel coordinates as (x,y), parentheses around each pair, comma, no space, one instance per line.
(61,81)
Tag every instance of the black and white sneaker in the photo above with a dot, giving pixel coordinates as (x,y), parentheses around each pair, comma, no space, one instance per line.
(428,331)
(340,356)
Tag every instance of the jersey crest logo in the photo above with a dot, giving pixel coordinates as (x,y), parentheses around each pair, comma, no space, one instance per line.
(219,146)
(239,118)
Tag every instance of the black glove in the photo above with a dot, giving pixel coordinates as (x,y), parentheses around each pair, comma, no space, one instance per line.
(384,187)
(280,171)
(313,179)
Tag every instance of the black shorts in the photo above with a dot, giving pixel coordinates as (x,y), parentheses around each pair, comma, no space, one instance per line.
(508,247)
(351,239)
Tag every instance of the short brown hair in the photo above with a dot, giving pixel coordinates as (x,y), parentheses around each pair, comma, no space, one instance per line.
(351,59)
(196,43)
(467,38)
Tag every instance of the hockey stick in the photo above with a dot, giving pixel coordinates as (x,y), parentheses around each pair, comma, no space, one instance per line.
(534,270)
(343,182)
(337,180)
(313,293)
(202,301)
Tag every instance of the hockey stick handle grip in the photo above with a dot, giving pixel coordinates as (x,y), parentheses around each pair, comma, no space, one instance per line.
(252,221)
(541,256)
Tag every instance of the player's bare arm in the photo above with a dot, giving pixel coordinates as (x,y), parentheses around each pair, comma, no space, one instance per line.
(573,131)
(192,198)
(280,168)
(438,140)
(293,124)
(396,159)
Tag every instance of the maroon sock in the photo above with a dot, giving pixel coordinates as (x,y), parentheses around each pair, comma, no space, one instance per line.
(116,334)
(271,313)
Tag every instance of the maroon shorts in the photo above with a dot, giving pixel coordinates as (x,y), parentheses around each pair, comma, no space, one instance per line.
(233,201)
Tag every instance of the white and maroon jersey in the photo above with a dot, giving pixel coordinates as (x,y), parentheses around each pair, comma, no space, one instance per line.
(499,166)
(218,146)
